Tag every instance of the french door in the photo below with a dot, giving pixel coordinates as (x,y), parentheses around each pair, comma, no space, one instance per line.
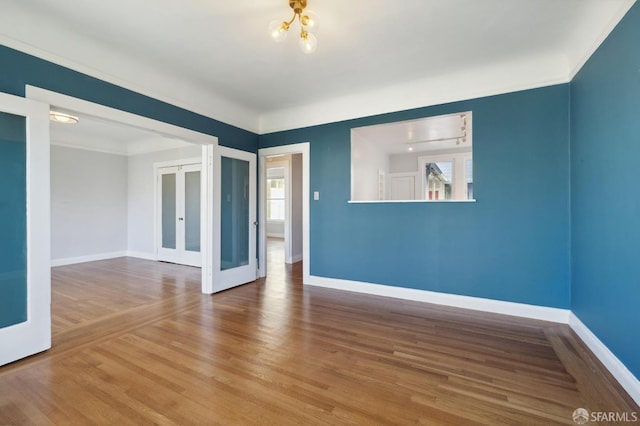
(25,263)
(179,207)
(234,218)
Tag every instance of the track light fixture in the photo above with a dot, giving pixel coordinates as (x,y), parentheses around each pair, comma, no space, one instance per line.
(278,30)
(460,139)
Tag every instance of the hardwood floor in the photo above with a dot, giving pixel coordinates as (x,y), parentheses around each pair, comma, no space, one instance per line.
(134,342)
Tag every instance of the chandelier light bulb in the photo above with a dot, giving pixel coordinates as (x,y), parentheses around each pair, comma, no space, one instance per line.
(278,30)
(308,42)
(310,20)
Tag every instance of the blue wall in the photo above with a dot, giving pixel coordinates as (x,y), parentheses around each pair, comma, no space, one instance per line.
(605,202)
(513,244)
(13,215)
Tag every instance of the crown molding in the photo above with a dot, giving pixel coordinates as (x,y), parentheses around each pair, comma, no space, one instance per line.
(498,78)
(102,149)
(617,16)
(492,79)
(192,98)
(129,150)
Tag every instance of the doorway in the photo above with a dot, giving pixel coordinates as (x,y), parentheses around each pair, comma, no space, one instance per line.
(284,208)
(208,144)
(296,246)
(30,331)
(220,184)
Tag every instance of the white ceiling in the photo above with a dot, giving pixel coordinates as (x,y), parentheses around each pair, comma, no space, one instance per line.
(96,134)
(444,132)
(373,56)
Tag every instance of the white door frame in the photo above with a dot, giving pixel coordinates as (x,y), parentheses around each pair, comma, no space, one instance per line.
(299,148)
(34,335)
(208,142)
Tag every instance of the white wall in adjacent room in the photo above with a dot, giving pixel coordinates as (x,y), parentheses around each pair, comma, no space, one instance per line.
(296,208)
(88,203)
(367,161)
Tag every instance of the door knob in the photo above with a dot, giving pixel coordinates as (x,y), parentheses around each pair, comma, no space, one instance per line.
(180,218)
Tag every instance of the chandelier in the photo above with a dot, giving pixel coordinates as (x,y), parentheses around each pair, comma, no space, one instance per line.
(308,21)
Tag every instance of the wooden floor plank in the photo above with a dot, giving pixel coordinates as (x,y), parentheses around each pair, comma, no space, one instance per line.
(134,342)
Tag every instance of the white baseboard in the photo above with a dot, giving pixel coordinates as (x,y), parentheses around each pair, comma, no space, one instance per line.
(141,255)
(466,302)
(89,258)
(622,374)
(295,259)
(274,235)
(564,316)
(102,256)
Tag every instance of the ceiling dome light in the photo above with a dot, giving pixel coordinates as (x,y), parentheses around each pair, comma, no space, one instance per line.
(308,22)
(60,117)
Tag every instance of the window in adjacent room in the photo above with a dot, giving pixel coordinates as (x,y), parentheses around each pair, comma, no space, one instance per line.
(275,194)
(447,177)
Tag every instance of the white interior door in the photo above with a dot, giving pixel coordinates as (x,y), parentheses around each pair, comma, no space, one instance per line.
(179,199)
(403,187)
(234,218)
(25,264)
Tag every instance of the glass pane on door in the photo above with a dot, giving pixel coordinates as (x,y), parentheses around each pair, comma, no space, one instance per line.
(13,210)
(192,211)
(234,232)
(169,211)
